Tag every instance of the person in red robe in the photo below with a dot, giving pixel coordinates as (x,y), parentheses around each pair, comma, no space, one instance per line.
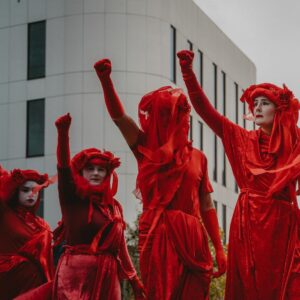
(96,256)
(25,239)
(173,185)
(263,253)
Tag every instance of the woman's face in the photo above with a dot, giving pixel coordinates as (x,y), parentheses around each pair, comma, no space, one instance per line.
(94,174)
(27,196)
(264,112)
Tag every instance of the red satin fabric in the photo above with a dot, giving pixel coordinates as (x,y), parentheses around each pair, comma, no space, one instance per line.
(264,230)
(96,258)
(25,252)
(175,261)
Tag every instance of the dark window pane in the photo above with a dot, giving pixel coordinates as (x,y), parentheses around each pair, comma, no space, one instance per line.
(36,50)
(173,54)
(216,205)
(190,45)
(35,127)
(191,128)
(200,135)
(40,211)
(200,55)
(224,221)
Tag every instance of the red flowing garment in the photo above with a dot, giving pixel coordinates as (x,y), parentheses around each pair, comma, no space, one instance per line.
(96,257)
(263,251)
(175,260)
(25,247)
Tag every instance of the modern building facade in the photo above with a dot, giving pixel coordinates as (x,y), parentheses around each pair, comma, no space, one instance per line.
(47,52)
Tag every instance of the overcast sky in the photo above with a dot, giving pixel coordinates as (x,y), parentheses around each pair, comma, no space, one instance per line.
(267,31)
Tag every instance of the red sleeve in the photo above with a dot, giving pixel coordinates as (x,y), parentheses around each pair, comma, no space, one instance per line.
(140,141)
(205,185)
(66,186)
(127,268)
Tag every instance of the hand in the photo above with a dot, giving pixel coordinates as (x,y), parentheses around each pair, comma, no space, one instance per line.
(63,123)
(222,263)
(103,67)
(138,288)
(185,59)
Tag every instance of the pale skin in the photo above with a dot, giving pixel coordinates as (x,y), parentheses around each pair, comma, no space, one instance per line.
(264,112)
(26,196)
(94,174)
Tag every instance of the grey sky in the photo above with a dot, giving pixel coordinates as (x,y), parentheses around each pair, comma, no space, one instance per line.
(267,31)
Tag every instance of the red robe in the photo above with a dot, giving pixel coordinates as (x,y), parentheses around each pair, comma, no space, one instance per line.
(96,256)
(25,252)
(175,260)
(263,231)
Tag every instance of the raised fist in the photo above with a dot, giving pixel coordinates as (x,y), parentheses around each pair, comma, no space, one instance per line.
(185,58)
(221,262)
(63,122)
(103,67)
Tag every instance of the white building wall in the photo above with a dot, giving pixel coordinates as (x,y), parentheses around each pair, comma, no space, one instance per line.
(135,35)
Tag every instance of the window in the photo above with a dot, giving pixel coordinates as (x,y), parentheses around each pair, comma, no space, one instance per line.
(236,89)
(200,135)
(190,45)
(224,92)
(40,211)
(173,54)
(35,128)
(215,173)
(200,56)
(244,114)
(224,113)
(36,50)
(224,222)
(216,205)
(191,128)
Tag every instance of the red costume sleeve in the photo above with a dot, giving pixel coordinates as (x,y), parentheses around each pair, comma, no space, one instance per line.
(66,185)
(112,101)
(126,263)
(63,148)
(211,223)
(198,98)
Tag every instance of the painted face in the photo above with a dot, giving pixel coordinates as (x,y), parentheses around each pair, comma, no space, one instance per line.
(26,196)
(94,174)
(264,112)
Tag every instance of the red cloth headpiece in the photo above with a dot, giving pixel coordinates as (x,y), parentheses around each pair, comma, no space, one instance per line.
(283,98)
(11,182)
(164,118)
(94,156)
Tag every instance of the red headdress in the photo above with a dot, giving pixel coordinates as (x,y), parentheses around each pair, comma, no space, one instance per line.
(104,193)
(10,183)
(164,118)
(285,140)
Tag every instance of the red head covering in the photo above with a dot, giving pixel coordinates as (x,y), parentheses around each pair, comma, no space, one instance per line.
(94,156)
(11,182)
(284,141)
(164,118)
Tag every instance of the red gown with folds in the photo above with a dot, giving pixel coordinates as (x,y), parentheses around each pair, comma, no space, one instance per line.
(263,231)
(175,260)
(96,257)
(25,252)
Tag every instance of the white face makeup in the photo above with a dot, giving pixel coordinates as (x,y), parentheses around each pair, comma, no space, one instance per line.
(264,112)
(26,196)
(94,174)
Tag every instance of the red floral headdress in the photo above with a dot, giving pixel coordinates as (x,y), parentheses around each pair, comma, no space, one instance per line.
(10,183)
(283,98)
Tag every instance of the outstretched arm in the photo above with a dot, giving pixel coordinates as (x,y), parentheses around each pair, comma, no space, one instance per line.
(198,98)
(210,220)
(66,185)
(127,126)
(63,148)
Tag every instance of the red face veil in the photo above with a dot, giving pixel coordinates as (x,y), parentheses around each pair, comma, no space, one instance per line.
(164,118)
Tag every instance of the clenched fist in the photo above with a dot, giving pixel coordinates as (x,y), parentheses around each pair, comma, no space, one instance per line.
(103,67)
